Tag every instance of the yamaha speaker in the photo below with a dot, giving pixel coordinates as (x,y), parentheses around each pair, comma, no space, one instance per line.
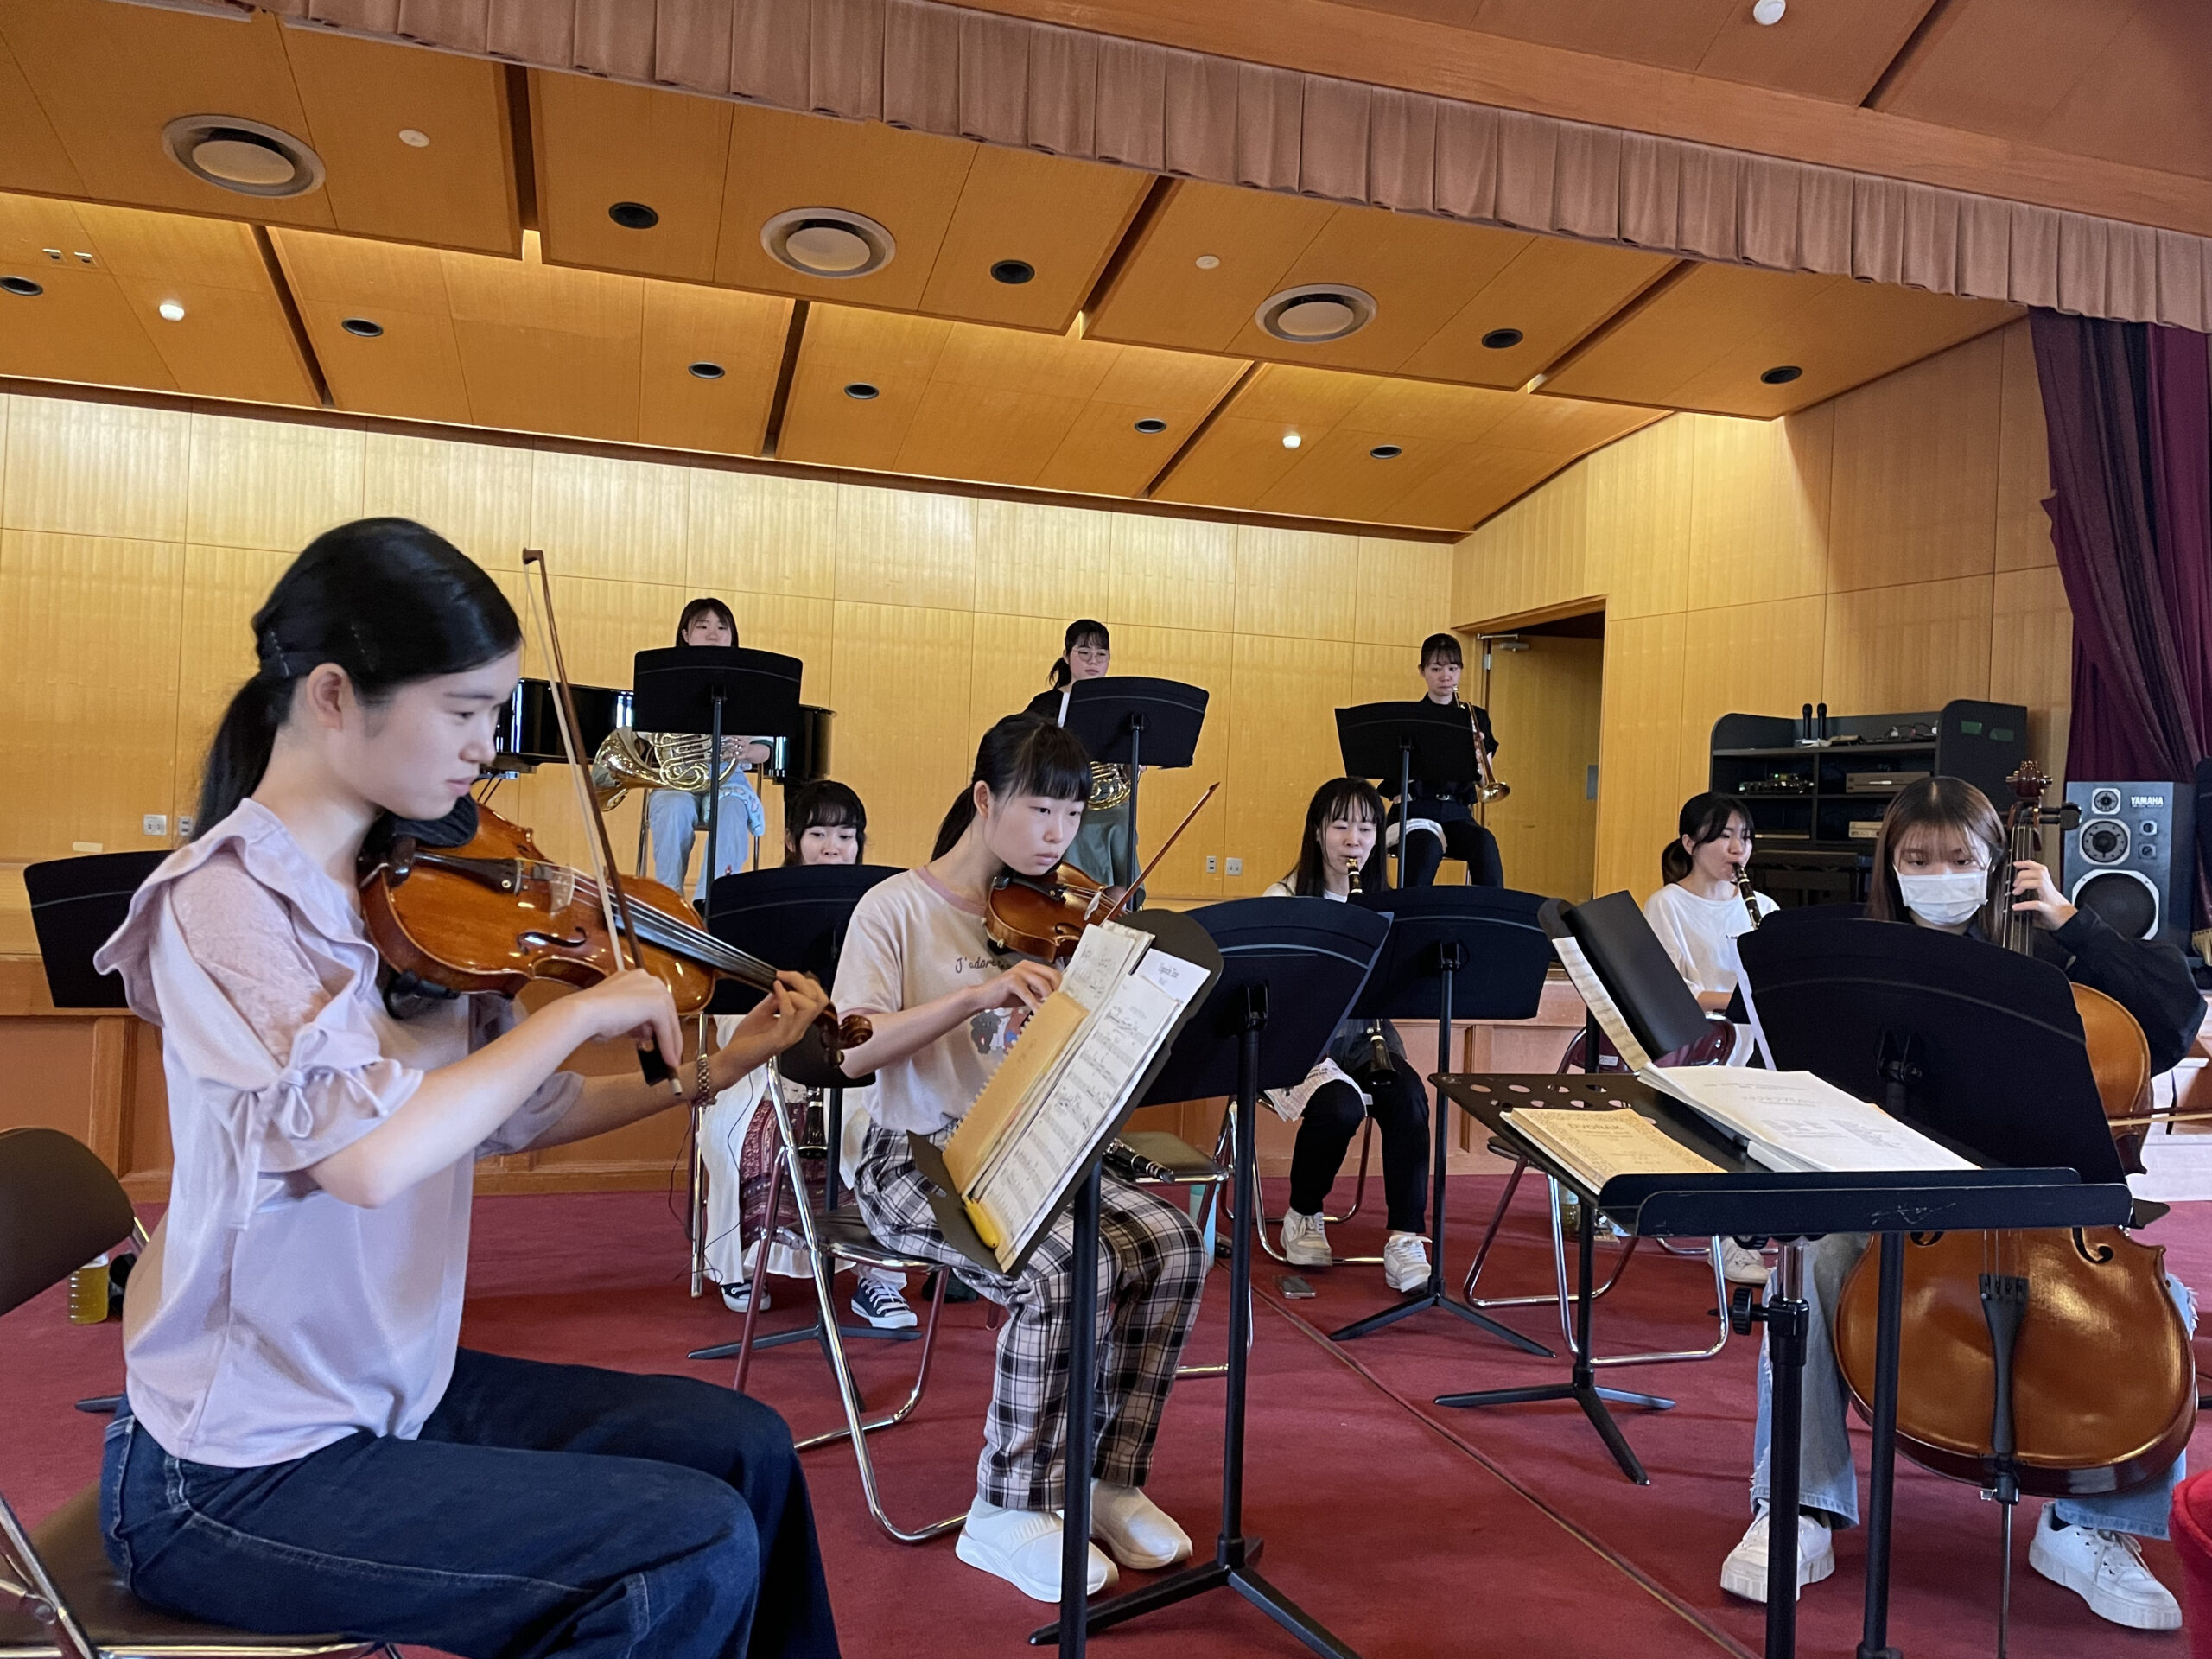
(2132,858)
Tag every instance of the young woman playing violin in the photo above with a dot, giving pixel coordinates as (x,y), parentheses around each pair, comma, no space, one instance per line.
(303,1444)
(1343,822)
(946,1004)
(1934,857)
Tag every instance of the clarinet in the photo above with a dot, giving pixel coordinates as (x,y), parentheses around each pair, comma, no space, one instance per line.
(1378,1050)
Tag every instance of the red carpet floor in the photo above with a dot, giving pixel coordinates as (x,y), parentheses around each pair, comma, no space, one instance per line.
(1408,1529)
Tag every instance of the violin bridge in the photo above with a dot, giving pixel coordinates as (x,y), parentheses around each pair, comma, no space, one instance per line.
(562,881)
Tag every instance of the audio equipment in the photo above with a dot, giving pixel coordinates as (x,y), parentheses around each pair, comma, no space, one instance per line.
(2133,858)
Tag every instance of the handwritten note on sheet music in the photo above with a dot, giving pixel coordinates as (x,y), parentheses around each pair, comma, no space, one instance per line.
(1079,1110)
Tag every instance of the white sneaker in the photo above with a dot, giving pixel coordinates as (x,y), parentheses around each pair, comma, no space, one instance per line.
(1739,1265)
(1304,1241)
(1137,1531)
(1743,1573)
(2104,1569)
(1405,1260)
(1023,1548)
(880,1303)
(739,1297)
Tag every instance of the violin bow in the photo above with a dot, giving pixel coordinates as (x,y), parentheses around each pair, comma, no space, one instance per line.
(1153,863)
(613,902)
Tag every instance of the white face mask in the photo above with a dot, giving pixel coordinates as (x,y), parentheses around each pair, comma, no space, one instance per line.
(1947,899)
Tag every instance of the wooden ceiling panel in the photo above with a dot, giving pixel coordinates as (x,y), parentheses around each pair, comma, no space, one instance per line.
(741,334)
(98,319)
(909,182)
(547,349)
(31,156)
(2145,94)
(597,143)
(109,78)
(1554,291)
(2003,65)
(1835,52)
(1062,217)
(458,191)
(1463,451)
(1161,297)
(1703,341)
(842,347)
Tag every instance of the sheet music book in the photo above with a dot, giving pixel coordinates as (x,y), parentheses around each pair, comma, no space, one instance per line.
(1061,1091)
(1795,1121)
(1611,1019)
(1597,1146)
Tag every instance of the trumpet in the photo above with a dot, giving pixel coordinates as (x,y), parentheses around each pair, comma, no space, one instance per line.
(1487,788)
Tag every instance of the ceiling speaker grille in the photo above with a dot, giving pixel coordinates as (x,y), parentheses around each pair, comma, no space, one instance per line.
(1316,314)
(829,242)
(246,157)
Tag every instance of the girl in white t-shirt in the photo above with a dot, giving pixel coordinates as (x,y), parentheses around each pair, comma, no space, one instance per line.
(946,1003)
(1699,913)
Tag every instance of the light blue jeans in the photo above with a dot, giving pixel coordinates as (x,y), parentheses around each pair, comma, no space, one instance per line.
(1827,1479)
(676,817)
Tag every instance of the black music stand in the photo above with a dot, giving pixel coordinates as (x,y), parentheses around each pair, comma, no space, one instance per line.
(1980,1048)
(1747,1200)
(76,904)
(1453,952)
(692,689)
(1290,971)
(1180,935)
(1433,742)
(1136,722)
(795,916)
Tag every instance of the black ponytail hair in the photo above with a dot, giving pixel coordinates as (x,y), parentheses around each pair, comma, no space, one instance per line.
(1704,817)
(1083,631)
(386,600)
(823,803)
(1023,754)
(1340,798)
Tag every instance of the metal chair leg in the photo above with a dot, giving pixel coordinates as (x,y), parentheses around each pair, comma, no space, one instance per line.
(914,1395)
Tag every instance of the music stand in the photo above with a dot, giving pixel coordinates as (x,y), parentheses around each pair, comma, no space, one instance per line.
(1979,1047)
(794,916)
(1433,742)
(1136,722)
(691,688)
(1290,971)
(1453,952)
(76,905)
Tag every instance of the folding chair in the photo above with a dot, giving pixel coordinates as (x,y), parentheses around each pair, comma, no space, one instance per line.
(1225,1151)
(60,1598)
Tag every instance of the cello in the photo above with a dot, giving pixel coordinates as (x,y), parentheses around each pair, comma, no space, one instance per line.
(2048,1362)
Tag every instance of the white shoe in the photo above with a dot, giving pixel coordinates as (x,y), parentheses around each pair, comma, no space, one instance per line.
(880,1303)
(1137,1531)
(1023,1548)
(1739,1265)
(1743,1573)
(1405,1260)
(2104,1569)
(739,1297)
(1304,1241)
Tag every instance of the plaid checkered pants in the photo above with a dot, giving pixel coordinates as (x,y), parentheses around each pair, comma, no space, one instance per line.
(1151,1268)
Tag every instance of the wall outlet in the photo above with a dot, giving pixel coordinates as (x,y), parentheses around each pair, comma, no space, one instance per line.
(87,847)
(1213,865)
(184,825)
(1237,866)
(156,824)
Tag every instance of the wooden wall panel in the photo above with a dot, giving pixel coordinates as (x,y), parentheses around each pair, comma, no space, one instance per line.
(476,495)
(1638,518)
(1196,658)
(623,520)
(271,484)
(222,588)
(1172,573)
(1640,768)
(1759,512)
(1913,646)
(97,469)
(902,673)
(1282,590)
(2031,657)
(1049,562)
(896,547)
(752,533)
(2023,462)
(1765,658)
(1283,693)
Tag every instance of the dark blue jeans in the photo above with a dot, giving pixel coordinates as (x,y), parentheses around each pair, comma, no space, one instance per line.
(545,1509)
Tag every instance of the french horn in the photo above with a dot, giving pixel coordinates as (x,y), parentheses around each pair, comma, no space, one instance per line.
(631,760)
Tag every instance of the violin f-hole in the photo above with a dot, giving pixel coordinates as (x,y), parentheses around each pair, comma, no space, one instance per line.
(536,941)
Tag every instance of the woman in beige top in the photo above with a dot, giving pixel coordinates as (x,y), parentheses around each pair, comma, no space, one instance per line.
(304,1444)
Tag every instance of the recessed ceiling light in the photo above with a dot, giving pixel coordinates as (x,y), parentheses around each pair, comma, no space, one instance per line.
(21,285)
(634,215)
(1768,11)
(1387,451)
(829,242)
(707,371)
(249,157)
(861,391)
(1151,424)
(1502,340)
(171,311)
(1208,262)
(1316,313)
(1291,440)
(1780,375)
(1013,271)
(362,327)
(414,138)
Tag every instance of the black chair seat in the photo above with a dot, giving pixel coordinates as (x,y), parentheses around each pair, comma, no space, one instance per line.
(69,1544)
(1190,1167)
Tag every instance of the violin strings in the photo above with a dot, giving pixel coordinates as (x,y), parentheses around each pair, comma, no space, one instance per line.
(675,933)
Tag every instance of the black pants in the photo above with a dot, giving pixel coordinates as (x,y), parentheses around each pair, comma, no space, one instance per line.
(1463,838)
(1325,1133)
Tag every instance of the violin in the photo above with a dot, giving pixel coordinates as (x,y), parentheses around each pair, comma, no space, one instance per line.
(495,913)
(1045,916)
(2074,1330)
